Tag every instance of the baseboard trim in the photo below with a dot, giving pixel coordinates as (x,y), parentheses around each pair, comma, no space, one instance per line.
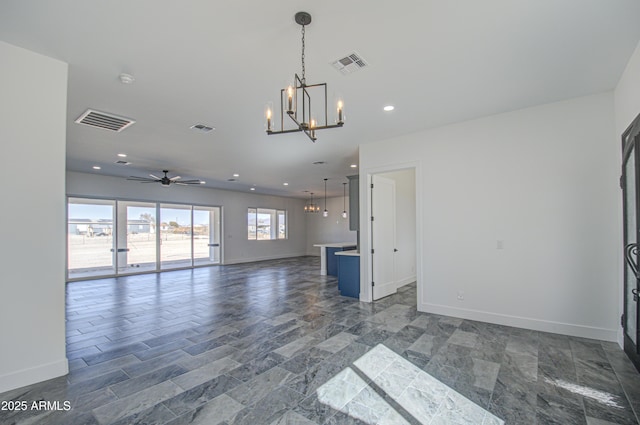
(33,375)
(406,281)
(255,259)
(522,322)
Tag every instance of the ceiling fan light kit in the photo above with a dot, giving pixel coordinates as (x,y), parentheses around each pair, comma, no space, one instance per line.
(295,101)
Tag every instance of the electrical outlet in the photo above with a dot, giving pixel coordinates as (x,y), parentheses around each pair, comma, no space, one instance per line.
(460,296)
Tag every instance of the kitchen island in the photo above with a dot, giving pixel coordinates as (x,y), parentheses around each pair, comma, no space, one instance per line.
(327,260)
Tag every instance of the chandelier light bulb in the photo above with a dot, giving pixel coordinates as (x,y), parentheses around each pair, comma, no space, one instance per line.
(290,100)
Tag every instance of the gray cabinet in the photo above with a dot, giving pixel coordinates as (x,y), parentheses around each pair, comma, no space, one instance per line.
(354,202)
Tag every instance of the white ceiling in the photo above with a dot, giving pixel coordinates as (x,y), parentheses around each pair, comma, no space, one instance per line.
(219,62)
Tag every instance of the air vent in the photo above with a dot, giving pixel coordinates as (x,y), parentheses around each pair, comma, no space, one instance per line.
(121,162)
(231,180)
(349,63)
(202,128)
(319,163)
(104,120)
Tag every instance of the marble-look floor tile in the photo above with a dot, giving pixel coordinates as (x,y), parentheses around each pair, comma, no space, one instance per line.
(460,337)
(257,388)
(136,403)
(215,412)
(337,342)
(258,343)
(205,373)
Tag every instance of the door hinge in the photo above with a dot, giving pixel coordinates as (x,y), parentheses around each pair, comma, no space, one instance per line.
(371,218)
(373,284)
(372,250)
(622,320)
(621,182)
(371,185)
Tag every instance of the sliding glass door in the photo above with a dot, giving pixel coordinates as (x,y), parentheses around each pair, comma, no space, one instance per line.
(113,237)
(206,235)
(176,244)
(137,244)
(90,238)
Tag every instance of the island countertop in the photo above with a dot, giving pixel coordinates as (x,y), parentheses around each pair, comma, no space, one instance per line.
(351,253)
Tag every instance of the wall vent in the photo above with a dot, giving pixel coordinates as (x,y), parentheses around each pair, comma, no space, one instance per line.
(104,120)
(349,63)
(202,128)
(122,162)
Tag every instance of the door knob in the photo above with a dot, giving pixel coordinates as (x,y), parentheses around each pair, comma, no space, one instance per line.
(395,249)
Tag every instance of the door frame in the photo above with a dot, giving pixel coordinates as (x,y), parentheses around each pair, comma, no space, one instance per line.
(366,293)
(632,131)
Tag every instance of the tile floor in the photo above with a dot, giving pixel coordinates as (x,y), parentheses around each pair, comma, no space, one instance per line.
(274,343)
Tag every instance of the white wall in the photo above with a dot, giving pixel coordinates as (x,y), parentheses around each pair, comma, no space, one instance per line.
(405,224)
(32,292)
(236,248)
(543,183)
(627,107)
(330,229)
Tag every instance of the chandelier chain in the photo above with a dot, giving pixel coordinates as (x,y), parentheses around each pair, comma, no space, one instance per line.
(303,69)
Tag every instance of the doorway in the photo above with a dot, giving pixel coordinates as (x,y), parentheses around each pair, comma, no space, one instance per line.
(392,231)
(630,184)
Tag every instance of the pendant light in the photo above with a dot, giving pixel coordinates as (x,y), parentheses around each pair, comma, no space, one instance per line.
(325,213)
(344,200)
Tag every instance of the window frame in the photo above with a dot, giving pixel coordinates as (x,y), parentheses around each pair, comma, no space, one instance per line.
(277,218)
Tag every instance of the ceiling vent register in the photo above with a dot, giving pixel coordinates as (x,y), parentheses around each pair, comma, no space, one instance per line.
(104,120)
(349,64)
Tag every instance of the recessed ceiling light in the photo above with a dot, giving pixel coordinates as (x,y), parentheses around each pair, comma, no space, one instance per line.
(127,78)
(354,165)
(202,182)
(389,108)
(253,188)
(285,184)
(96,167)
(236,175)
(122,155)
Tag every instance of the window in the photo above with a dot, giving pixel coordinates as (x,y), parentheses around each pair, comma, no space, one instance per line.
(265,224)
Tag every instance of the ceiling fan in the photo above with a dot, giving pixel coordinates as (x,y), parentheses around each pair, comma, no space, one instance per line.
(166,180)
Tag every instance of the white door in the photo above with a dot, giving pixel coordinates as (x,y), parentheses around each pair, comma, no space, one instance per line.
(383,236)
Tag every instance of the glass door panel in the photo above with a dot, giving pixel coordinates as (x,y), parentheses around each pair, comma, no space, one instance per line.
(137,238)
(630,196)
(206,235)
(630,247)
(90,238)
(175,236)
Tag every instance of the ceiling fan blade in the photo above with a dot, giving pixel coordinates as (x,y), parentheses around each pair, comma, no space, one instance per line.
(190,182)
(181,183)
(155,177)
(140,179)
(175,178)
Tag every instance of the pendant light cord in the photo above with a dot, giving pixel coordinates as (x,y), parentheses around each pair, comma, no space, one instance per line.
(304,81)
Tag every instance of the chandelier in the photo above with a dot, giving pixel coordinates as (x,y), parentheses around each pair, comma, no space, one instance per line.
(295,101)
(311,207)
